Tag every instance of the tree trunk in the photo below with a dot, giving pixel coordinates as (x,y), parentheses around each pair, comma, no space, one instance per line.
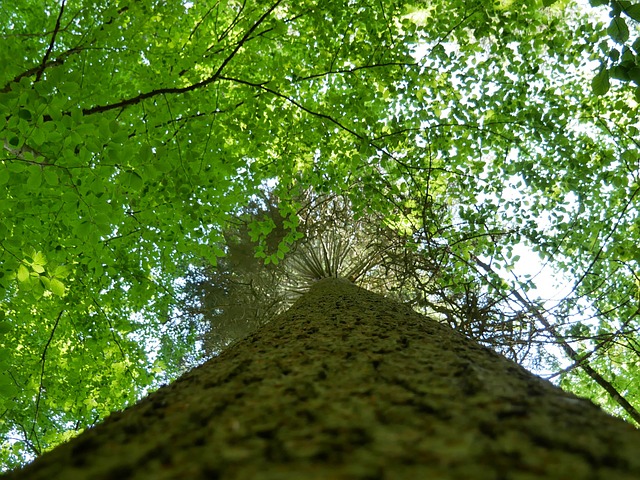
(350,385)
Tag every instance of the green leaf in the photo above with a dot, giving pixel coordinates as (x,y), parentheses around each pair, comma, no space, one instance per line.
(145,153)
(600,83)
(8,388)
(61,271)
(4,175)
(37,268)
(68,87)
(83,229)
(618,30)
(164,165)
(50,176)
(57,287)
(628,58)
(39,258)
(132,179)
(633,11)
(35,178)
(103,223)
(24,114)
(614,54)
(634,75)
(5,327)
(45,282)
(37,137)
(620,73)
(23,273)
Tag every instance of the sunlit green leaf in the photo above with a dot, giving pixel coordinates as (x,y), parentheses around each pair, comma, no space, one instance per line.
(61,271)
(57,287)
(23,273)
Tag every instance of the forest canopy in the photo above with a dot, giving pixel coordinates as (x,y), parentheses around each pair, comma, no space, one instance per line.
(164,164)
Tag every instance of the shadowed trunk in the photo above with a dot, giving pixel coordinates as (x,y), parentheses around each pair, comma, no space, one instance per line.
(350,385)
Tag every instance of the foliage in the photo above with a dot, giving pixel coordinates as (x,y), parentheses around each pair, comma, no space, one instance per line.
(622,61)
(136,135)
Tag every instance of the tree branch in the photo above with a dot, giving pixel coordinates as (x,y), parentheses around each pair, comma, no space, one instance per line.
(56,29)
(263,86)
(38,70)
(177,90)
(43,359)
(569,351)
(48,63)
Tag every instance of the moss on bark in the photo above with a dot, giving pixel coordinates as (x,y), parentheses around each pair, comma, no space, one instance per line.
(350,385)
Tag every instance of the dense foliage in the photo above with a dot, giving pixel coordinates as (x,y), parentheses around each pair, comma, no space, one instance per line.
(139,137)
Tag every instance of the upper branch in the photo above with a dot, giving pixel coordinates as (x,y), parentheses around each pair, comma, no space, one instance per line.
(177,90)
(263,87)
(56,29)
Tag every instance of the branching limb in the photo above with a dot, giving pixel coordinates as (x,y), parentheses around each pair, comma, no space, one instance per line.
(288,99)
(569,351)
(177,90)
(59,60)
(43,360)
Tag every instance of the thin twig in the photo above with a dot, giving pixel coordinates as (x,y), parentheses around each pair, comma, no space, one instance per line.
(43,359)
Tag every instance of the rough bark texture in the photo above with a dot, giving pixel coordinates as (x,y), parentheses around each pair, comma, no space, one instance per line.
(350,385)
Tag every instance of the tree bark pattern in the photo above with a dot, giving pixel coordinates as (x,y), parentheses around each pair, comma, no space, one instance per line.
(350,385)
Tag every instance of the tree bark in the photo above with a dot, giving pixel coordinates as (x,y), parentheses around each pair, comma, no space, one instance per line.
(350,385)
